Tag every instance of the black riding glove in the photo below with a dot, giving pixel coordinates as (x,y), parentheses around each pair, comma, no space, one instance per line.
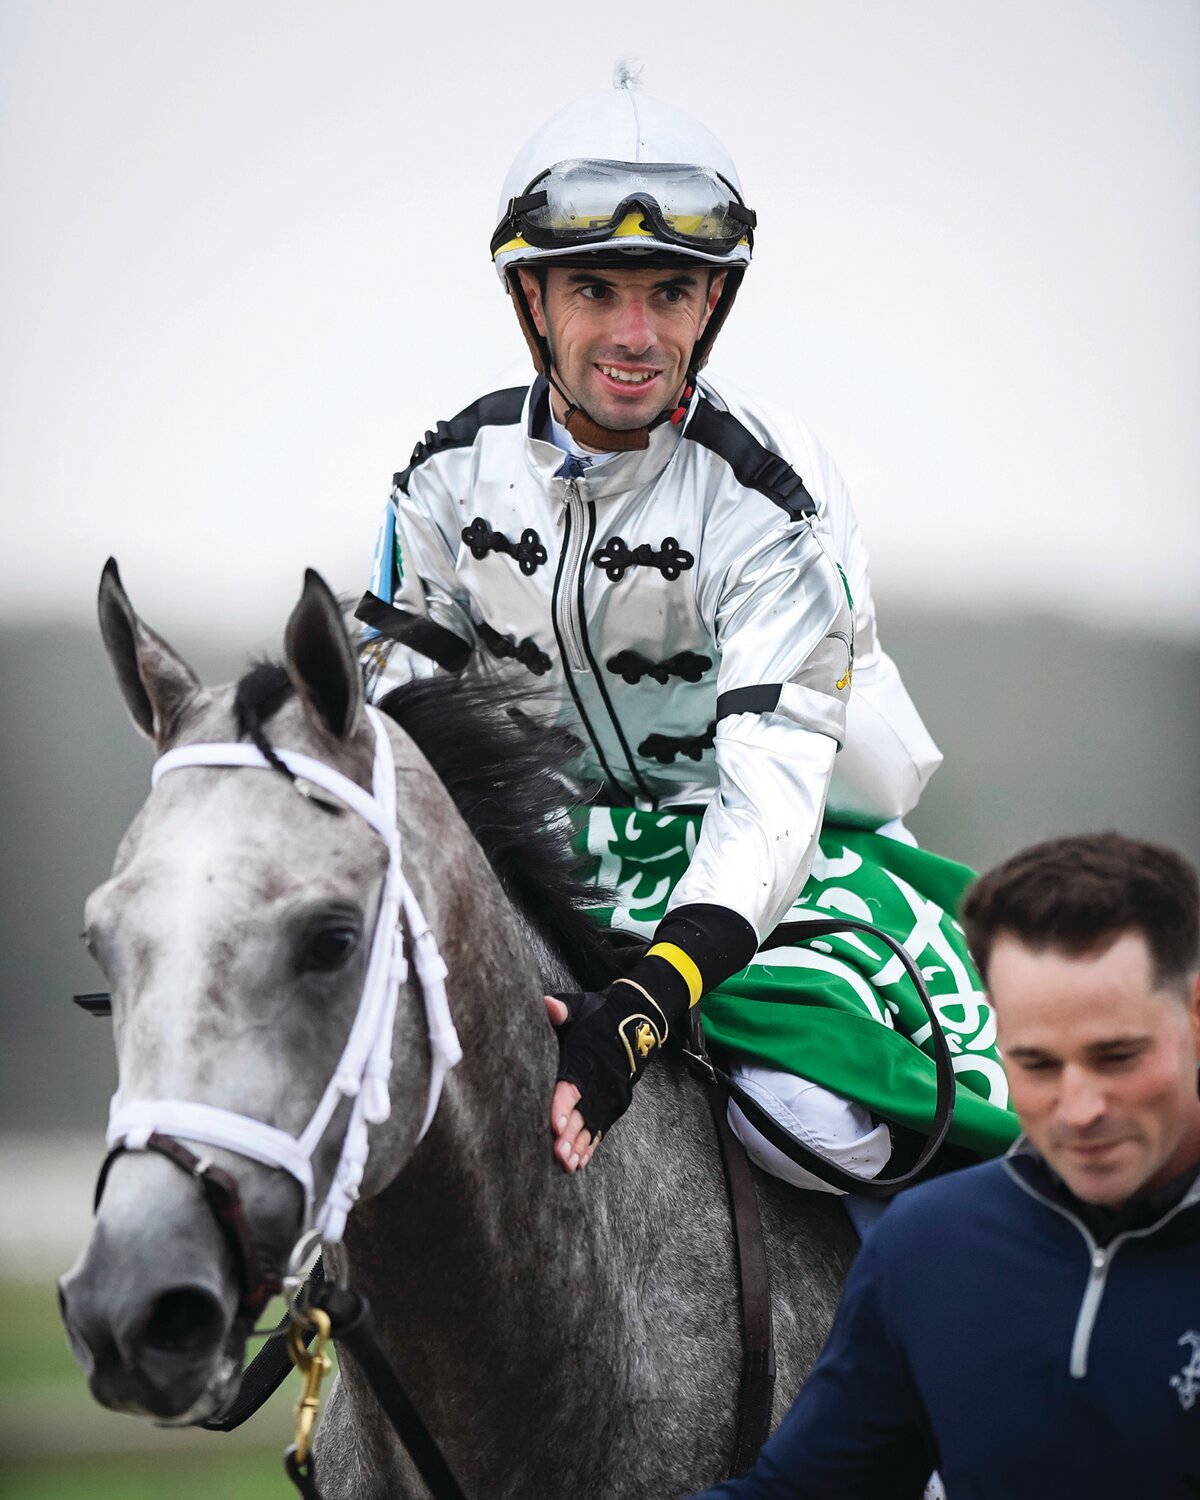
(605,1043)
(610,1035)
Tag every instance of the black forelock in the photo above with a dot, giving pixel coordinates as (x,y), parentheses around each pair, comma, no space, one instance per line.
(258,696)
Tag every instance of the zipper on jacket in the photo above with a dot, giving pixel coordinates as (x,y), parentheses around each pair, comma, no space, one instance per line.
(1088,1308)
(566,615)
(570,645)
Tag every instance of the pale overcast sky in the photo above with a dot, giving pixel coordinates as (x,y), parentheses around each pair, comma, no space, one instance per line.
(244,265)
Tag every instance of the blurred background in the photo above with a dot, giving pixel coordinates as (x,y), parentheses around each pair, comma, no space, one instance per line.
(244,266)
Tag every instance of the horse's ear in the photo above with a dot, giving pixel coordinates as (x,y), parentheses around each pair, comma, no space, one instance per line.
(320,660)
(157,684)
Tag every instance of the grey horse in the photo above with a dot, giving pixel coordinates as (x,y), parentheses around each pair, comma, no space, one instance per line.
(560,1334)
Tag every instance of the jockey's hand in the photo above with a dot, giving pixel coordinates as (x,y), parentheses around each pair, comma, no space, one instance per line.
(605,1039)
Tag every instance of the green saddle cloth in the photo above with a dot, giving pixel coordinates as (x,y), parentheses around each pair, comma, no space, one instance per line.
(838,1010)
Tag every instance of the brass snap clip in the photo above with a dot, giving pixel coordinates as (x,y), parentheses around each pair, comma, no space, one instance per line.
(314,1364)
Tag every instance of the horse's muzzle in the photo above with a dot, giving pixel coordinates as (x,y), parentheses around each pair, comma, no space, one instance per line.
(150,1308)
(167,1357)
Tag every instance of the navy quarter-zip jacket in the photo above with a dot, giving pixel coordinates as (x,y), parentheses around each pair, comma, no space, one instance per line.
(986,1333)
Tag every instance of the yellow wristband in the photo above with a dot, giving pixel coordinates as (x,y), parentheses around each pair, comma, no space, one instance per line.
(684,966)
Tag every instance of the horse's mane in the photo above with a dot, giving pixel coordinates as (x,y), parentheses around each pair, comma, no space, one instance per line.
(504,772)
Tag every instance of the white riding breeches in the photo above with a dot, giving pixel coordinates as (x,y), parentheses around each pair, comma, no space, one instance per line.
(835,1127)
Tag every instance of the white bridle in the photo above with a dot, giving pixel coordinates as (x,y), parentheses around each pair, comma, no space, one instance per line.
(364,1069)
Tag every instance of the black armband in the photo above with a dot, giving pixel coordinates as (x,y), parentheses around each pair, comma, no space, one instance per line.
(695,948)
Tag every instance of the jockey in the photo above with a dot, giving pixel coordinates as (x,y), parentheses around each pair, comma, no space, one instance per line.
(680,573)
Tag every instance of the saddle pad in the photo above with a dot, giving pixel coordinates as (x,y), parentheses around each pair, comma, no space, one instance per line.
(838,1010)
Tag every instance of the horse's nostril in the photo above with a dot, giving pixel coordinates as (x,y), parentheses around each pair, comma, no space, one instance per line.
(186,1322)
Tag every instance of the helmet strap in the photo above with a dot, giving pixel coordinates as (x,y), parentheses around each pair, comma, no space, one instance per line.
(583,428)
(539,347)
(733,280)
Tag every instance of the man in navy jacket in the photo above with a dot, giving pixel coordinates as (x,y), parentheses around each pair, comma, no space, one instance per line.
(1031,1327)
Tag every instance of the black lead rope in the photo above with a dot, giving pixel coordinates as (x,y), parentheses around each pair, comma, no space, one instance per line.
(352,1328)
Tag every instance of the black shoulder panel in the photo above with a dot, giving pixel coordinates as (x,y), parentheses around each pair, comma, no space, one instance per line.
(753,465)
(498,409)
(450,651)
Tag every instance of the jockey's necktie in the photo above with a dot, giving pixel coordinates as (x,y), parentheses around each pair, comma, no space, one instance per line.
(574,465)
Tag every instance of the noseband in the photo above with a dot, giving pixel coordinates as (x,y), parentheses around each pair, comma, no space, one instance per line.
(364,1068)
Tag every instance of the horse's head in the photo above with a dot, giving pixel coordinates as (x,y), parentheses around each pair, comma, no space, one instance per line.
(239,935)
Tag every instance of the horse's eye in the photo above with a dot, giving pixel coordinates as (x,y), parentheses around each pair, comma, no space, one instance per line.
(329,947)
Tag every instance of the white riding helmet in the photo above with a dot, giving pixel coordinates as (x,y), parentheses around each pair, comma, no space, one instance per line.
(621,171)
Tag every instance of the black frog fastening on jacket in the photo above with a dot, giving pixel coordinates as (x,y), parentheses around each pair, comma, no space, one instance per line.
(481,539)
(665,747)
(527,652)
(633,666)
(616,557)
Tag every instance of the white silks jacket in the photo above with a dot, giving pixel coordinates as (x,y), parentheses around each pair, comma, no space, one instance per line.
(698,614)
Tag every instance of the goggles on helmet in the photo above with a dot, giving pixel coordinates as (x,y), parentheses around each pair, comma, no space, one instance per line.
(580,203)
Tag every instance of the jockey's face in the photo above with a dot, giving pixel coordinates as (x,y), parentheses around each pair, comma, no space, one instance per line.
(1101,1062)
(621,340)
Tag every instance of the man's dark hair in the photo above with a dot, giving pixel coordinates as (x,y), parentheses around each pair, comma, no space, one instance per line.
(1079,893)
